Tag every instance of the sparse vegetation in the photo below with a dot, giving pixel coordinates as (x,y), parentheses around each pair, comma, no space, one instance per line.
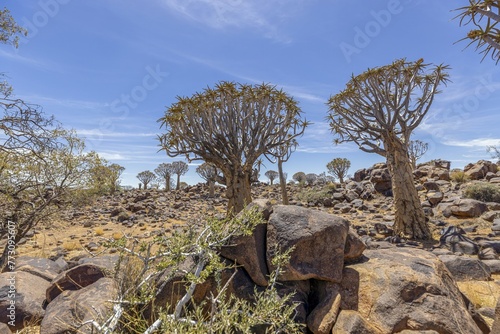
(484,192)
(458,176)
(146,177)
(136,276)
(338,168)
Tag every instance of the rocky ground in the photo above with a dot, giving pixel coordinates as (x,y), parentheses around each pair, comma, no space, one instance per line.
(470,251)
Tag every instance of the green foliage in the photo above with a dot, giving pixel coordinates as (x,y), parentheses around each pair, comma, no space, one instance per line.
(484,17)
(146,177)
(9,29)
(315,195)
(231,126)
(338,168)
(141,263)
(459,176)
(484,192)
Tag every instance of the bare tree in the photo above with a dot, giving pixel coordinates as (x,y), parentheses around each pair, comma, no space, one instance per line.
(146,177)
(378,110)
(484,15)
(179,168)
(272,175)
(338,168)
(495,152)
(416,150)
(210,174)
(231,126)
(165,171)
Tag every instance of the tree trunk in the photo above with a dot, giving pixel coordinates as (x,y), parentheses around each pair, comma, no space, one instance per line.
(211,188)
(284,195)
(409,215)
(238,191)
(178,182)
(167,183)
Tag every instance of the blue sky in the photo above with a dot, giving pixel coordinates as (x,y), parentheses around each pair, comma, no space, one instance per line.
(110,68)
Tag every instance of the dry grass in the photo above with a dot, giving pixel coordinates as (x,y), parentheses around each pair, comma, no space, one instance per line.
(99,231)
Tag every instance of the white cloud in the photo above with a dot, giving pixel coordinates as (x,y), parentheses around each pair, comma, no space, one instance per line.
(100,133)
(478,142)
(220,14)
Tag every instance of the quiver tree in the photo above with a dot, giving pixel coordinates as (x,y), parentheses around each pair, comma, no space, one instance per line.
(416,150)
(231,126)
(378,110)
(179,168)
(338,168)
(146,177)
(271,175)
(300,177)
(281,154)
(210,174)
(484,15)
(165,171)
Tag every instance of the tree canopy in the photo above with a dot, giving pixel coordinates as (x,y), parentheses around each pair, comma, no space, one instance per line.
(231,126)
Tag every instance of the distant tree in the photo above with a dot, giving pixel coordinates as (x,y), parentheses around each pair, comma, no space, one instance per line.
(495,152)
(300,177)
(165,171)
(484,15)
(416,150)
(281,154)
(383,106)
(231,127)
(210,174)
(311,178)
(271,175)
(338,168)
(146,177)
(9,29)
(179,168)
(104,178)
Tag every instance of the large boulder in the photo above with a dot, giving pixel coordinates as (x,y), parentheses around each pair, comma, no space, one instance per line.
(465,268)
(74,279)
(401,289)
(67,313)
(478,170)
(250,250)
(21,298)
(38,266)
(467,208)
(318,239)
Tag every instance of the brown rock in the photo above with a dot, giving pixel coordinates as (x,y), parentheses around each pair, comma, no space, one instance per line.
(318,239)
(28,293)
(74,279)
(67,312)
(250,251)
(324,315)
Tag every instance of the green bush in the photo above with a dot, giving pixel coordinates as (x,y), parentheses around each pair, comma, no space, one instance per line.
(459,176)
(483,192)
(315,195)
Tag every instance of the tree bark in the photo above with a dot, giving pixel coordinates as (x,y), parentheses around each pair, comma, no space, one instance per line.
(284,195)
(409,215)
(211,188)
(238,191)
